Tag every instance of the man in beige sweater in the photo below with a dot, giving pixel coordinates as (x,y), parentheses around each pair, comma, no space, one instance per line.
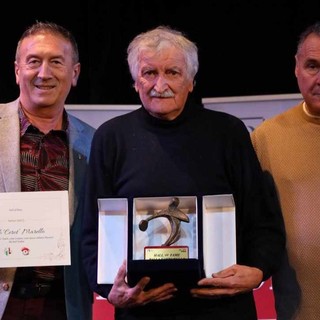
(288,146)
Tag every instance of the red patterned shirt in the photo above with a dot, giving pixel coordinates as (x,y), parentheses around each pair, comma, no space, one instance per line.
(44,157)
(44,167)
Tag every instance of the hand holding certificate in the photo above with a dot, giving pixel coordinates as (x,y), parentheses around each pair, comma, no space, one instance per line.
(34,229)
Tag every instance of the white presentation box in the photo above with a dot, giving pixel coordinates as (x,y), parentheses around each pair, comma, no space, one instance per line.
(120,237)
(112,237)
(219,233)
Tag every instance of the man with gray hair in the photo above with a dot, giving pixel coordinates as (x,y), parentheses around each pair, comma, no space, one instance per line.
(171,147)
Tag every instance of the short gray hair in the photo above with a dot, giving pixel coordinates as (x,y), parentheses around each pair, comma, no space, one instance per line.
(158,38)
(312,29)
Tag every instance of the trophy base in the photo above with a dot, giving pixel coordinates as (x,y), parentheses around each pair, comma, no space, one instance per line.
(184,273)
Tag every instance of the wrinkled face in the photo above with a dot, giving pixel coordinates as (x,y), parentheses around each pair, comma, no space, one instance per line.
(307,71)
(45,71)
(162,83)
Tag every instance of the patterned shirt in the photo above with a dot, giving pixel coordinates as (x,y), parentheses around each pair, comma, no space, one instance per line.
(44,167)
(44,157)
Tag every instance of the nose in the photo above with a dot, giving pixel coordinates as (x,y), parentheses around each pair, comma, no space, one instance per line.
(44,70)
(161,84)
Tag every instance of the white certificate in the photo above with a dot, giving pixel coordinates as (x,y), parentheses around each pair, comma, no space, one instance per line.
(34,229)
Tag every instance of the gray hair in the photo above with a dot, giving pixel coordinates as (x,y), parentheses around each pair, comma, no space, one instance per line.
(314,28)
(158,38)
(51,28)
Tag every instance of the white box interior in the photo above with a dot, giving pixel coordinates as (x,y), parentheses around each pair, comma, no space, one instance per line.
(219,233)
(112,238)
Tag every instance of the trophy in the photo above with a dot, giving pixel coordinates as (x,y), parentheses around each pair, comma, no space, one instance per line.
(174,215)
(165,240)
(170,239)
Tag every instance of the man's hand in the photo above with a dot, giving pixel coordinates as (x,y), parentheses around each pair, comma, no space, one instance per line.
(122,296)
(228,282)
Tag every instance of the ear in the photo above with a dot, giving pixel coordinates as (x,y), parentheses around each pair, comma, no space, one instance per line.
(16,71)
(76,73)
(296,66)
(191,85)
(136,87)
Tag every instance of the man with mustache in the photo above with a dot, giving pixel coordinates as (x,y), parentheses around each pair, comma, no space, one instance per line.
(172,146)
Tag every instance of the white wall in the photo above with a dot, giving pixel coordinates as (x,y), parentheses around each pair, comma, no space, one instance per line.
(95,114)
(251,109)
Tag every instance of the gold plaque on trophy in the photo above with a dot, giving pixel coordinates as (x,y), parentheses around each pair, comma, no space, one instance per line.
(173,252)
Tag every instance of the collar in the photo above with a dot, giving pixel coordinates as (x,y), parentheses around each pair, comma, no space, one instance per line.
(305,109)
(25,123)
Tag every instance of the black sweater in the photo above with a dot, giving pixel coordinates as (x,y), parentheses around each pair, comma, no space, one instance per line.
(201,152)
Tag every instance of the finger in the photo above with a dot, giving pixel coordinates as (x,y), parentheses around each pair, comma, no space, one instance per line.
(162,293)
(214,282)
(121,274)
(231,271)
(139,287)
(214,292)
(166,297)
(166,290)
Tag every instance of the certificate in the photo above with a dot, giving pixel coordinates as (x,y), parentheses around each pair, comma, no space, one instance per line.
(34,229)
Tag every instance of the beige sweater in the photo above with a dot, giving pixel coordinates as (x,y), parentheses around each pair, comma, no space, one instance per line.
(288,146)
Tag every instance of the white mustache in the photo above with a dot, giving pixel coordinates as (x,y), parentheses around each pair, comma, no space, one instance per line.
(165,94)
